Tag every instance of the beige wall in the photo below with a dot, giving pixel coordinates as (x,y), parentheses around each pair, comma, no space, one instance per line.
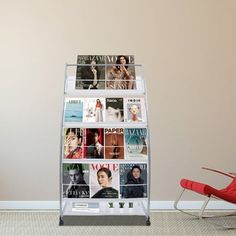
(189,53)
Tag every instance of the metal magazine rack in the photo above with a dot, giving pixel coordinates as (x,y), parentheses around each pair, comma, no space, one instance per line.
(103,144)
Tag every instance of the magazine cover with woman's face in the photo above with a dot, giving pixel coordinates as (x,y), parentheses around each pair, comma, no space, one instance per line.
(134,110)
(104,180)
(120,72)
(73,143)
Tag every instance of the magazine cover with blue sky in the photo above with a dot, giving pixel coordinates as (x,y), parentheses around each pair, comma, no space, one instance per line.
(73,110)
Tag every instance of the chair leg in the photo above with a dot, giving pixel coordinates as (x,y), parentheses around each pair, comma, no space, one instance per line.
(178,198)
(178,209)
(204,207)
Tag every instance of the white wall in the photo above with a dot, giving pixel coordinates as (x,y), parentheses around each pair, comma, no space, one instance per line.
(189,53)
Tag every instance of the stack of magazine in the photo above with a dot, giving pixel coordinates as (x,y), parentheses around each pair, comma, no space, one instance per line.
(104,72)
(105,151)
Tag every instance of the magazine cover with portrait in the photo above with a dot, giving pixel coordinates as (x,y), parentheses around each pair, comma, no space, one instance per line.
(94,143)
(73,110)
(134,110)
(133,180)
(114,143)
(135,143)
(120,72)
(76,180)
(91,75)
(114,110)
(104,180)
(73,143)
(94,110)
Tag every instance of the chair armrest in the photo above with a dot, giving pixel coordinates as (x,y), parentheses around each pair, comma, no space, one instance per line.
(231,175)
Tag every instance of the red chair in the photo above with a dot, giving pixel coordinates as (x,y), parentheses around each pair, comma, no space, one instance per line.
(227,194)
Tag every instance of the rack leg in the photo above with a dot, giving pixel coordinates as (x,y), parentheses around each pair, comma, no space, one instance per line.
(61,222)
(148,222)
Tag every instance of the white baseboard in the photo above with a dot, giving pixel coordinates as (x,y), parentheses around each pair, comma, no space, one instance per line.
(191,205)
(154,205)
(29,205)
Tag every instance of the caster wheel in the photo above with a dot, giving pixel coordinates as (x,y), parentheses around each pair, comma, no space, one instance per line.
(61,222)
(148,222)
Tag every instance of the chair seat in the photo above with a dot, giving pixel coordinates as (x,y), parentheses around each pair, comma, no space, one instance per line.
(227,194)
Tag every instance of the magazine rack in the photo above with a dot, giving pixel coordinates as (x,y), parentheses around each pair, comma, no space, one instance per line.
(78,202)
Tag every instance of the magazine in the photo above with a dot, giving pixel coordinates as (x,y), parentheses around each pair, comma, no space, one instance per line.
(114,110)
(75,180)
(133,180)
(114,143)
(134,110)
(120,74)
(91,75)
(94,110)
(73,143)
(135,143)
(104,180)
(73,110)
(94,143)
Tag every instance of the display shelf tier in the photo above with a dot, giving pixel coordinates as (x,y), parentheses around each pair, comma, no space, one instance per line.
(131,206)
(77,82)
(101,93)
(116,161)
(104,125)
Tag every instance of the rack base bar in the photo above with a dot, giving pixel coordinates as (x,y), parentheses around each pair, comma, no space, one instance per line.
(104,220)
